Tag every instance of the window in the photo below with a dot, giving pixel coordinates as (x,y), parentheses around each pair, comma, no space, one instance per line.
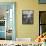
(42,1)
(7,21)
(42,22)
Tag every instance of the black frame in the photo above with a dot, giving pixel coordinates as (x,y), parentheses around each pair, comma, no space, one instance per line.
(26,15)
(39,24)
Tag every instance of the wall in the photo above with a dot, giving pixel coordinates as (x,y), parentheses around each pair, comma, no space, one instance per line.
(28,31)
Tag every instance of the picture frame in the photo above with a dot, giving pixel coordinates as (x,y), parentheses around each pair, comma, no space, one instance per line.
(42,1)
(27,16)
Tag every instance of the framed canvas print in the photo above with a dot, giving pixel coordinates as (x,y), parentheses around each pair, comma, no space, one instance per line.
(7,20)
(42,1)
(27,17)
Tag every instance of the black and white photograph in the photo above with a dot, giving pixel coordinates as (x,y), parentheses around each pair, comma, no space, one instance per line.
(27,17)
